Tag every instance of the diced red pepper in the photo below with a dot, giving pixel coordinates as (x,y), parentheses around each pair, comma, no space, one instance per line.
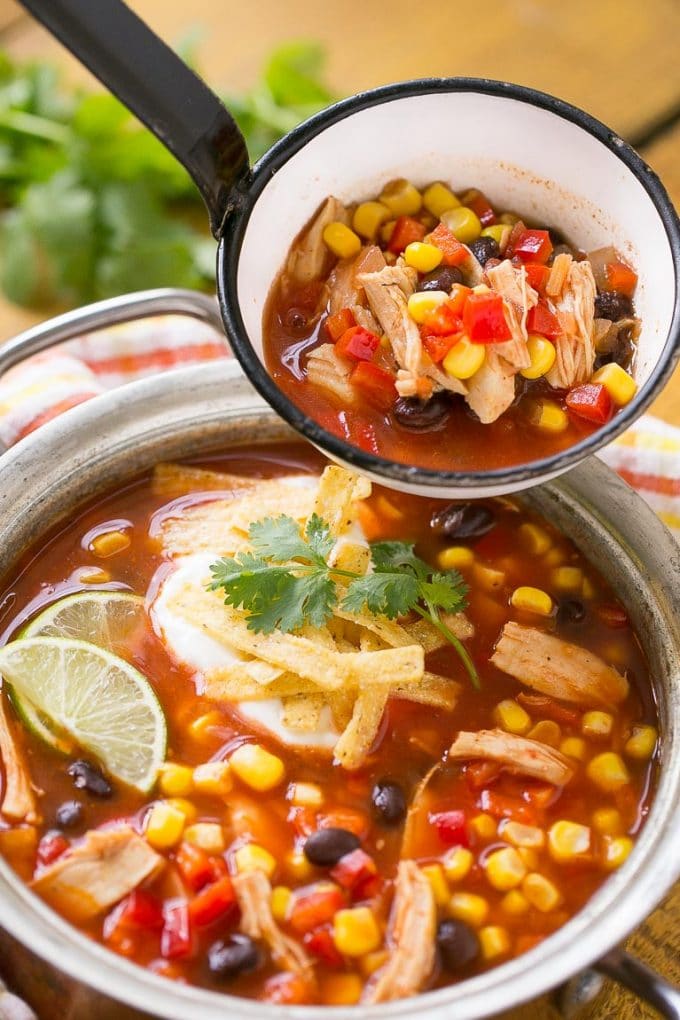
(287,989)
(303,820)
(480,204)
(212,902)
(358,344)
(537,275)
(439,346)
(176,937)
(540,795)
(546,707)
(590,401)
(541,319)
(484,319)
(621,278)
(406,230)
(346,818)
(532,246)
(501,806)
(453,251)
(375,384)
(51,846)
(442,321)
(612,615)
(195,866)
(337,324)
(141,910)
(357,872)
(315,905)
(457,298)
(480,774)
(320,944)
(451,827)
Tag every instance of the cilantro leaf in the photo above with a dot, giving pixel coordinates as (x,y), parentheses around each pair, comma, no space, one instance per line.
(318,534)
(280,540)
(398,556)
(297,600)
(445,591)
(384,594)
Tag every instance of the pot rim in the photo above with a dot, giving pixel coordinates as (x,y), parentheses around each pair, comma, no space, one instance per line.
(246,195)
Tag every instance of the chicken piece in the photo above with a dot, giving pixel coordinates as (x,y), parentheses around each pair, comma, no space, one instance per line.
(100,871)
(309,255)
(253,892)
(518,755)
(555,667)
(491,390)
(410,937)
(519,296)
(327,369)
(575,308)
(19,802)
(559,271)
(347,292)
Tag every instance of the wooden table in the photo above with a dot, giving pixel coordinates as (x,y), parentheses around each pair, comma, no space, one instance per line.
(616,58)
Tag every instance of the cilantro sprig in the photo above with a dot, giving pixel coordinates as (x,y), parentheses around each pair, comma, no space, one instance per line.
(285,582)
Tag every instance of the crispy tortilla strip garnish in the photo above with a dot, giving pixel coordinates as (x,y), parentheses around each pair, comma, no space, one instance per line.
(253,893)
(338,491)
(302,712)
(97,873)
(341,704)
(424,633)
(19,801)
(411,937)
(519,755)
(436,691)
(230,685)
(179,479)
(556,667)
(361,732)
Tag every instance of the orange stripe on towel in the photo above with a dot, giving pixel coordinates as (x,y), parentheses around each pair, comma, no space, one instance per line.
(54,412)
(129,364)
(651,483)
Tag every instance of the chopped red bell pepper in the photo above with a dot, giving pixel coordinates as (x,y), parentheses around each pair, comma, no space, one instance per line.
(51,846)
(621,278)
(590,401)
(375,384)
(141,910)
(303,820)
(320,944)
(176,938)
(480,205)
(315,905)
(213,902)
(537,275)
(547,708)
(439,346)
(406,230)
(358,344)
(532,246)
(357,872)
(541,319)
(288,989)
(612,615)
(337,324)
(195,866)
(346,818)
(453,251)
(457,298)
(480,774)
(484,319)
(451,827)
(501,806)
(442,320)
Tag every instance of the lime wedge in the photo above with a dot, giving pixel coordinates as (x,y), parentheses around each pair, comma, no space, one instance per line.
(100,701)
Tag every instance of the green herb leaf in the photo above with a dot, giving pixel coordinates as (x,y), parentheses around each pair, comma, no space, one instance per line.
(383,594)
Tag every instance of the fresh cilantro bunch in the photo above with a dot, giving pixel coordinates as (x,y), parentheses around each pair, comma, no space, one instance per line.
(286,582)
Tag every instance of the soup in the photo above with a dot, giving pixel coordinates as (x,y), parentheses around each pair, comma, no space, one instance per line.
(291,796)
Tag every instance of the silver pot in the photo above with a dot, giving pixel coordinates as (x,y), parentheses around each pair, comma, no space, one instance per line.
(191,412)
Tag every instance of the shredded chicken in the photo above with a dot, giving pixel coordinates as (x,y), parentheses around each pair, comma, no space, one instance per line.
(19,801)
(410,936)
(519,296)
(491,390)
(309,255)
(107,865)
(559,272)
(253,892)
(347,292)
(575,308)
(555,667)
(519,755)
(325,368)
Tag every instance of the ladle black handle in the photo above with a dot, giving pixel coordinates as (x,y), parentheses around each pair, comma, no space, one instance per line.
(157,87)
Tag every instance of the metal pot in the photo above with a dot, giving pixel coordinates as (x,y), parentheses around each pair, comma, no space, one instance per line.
(191,412)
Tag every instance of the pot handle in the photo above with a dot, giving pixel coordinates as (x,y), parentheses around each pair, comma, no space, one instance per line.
(158,87)
(641,979)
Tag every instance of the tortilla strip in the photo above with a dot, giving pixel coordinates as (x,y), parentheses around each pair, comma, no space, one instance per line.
(359,736)
(228,685)
(302,711)
(180,479)
(434,690)
(338,490)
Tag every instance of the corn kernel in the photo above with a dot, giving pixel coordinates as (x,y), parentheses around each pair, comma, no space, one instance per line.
(298,867)
(467,907)
(463,223)
(176,780)
(423,302)
(589,591)
(529,857)
(567,841)
(542,356)
(607,821)
(481,288)
(213,778)
(620,386)
(387,230)
(596,724)
(494,941)
(541,892)
(488,578)
(515,903)
(535,539)
(356,931)
(200,728)
(616,851)
(511,717)
(305,794)
(464,359)
(510,218)
(341,989)
(500,233)
(341,240)
(457,863)
(423,257)
(608,771)
(484,826)
(251,857)
(438,199)
(568,579)
(548,416)
(372,962)
(456,557)
(554,558)
(110,543)
(401,197)
(186,807)
(642,742)
(521,835)
(505,869)
(532,600)
(368,218)
(256,767)
(546,731)
(280,902)
(164,826)
(434,873)
(574,747)
(94,575)
(208,836)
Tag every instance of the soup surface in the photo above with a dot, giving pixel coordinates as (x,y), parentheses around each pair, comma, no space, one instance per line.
(435,330)
(339,814)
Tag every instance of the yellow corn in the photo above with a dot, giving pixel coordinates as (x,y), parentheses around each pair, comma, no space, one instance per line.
(387,230)
(438,199)
(574,747)
(356,931)
(94,575)
(510,218)
(542,356)
(521,835)
(532,600)
(494,941)
(456,557)
(608,771)
(596,724)
(434,873)
(500,233)
(483,826)
(546,731)
(607,821)
(110,543)
(464,359)
(511,717)
(298,867)
(616,851)
(176,780)
(373,961)
(569,579)
(368,218)
(341,989)
(541,892)
(257,767)
(184,806)
(209,836)
(642,742)
(589,590)
(341,240)
(567,841)
(620,386)
(463,223)
(515,903)
(554,558)
(200,728)
(164,826)
(535,539)
(423,257)
(529,857)
(305,794)
(401,197)
(505,869)
(488,578)
(423,302)
(548,416)
(252,857)
(481,288)
(280,902)
(457,863)
(467,907)
(213,778)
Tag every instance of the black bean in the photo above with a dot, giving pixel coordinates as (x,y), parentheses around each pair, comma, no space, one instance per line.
(418,415)
(442,278)
(325,847)
(88,777)
(485,248)
(560,249)
(571,611)
(236,955)
(610,304)
(457,943)
(462,520)
(69,814)
(296,321)
(389,803)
